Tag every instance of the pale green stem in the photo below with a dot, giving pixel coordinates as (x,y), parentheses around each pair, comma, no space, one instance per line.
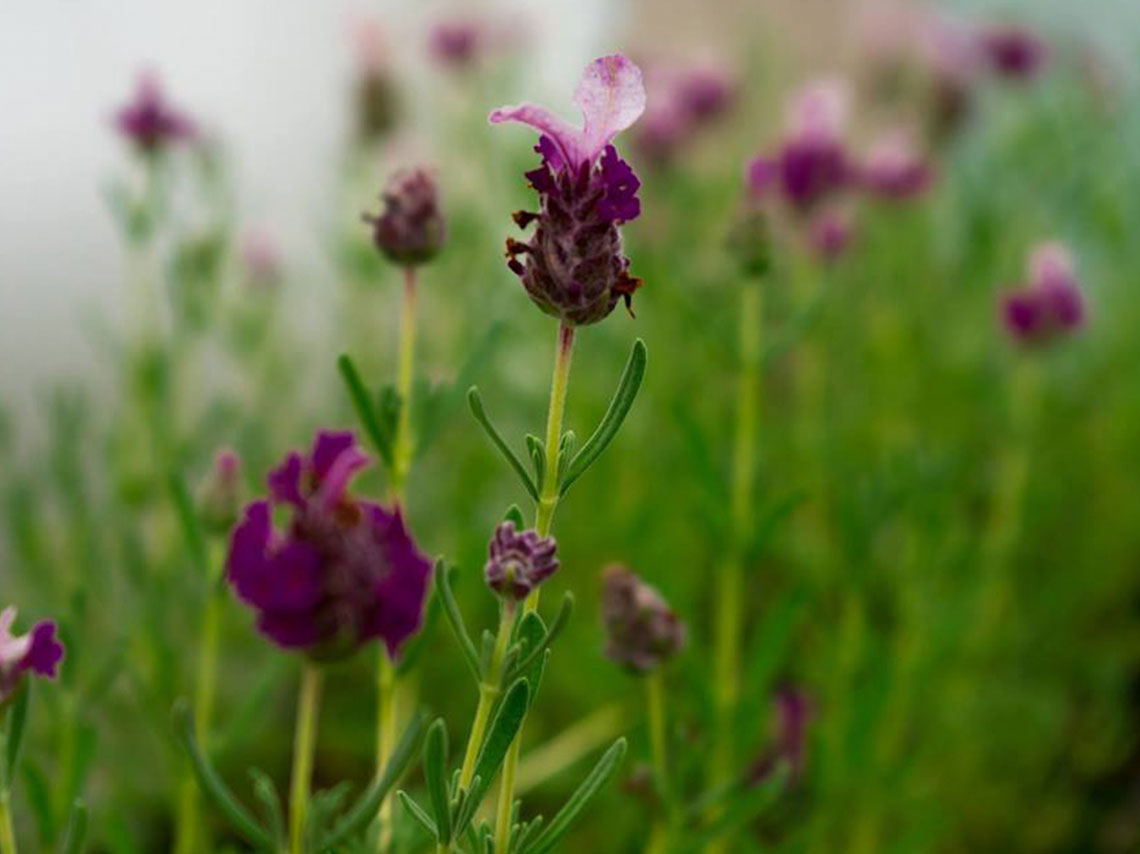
(403,446)
(655,703)
(7,832)
(388,709)
(189,820)
(729,618)
(488,695)
(304,744)
(544,519)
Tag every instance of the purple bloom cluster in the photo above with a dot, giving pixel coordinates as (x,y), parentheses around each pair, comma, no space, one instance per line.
(682,101)
(894,168)
(410,230)
(342,572)
(1051,304)
(37,652)
(793,712)
(1014,52)
(642,630)
(149,121)
(574,268)
(519,561)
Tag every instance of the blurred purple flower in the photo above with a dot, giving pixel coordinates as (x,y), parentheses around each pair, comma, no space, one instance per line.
(410,230)
(220,499)
(455,43)
(642,631)
(829,234)
(519,561)
(681,101)
(1051,304)
(261,259)
(342,572)
(574,267)
(812,163)
(894,168)
(1013,51)
(38,652)
(793,712)
(149,122)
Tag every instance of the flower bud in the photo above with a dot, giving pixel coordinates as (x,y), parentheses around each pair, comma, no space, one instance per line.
(1051,305)
(642,630)
(220,500)
(39,651)
(410,229)
(519,561)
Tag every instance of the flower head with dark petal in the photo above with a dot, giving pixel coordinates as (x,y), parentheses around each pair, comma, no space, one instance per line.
(519,561)
(1014,52)
(342,571)
(642,631)
(38,652)
(573,267)
(1051,305)
(410,230)
(149,122)
(682,100)
(894,169)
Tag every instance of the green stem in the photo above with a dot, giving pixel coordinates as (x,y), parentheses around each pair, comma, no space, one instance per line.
(729,618)
(189,820)
(304,743)
(7,832)
(544,520)
(489,690)
(655,703)
(403,446)
(387,701)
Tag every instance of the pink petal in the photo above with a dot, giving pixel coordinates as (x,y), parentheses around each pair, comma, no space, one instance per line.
(820,109)
(612,97)
(567,137)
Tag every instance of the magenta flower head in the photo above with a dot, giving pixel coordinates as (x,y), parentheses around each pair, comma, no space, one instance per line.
(894,169)
(38,652)
(519,561)
(455,43)
(642,631)
(1051,305)
(682,101)
(149,122)
(792,711)
(410,229)
(830,233)
(573,266)
(1014,52)
(342,571)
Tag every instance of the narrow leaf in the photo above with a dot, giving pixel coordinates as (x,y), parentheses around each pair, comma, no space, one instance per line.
(515,514)
(17,718)
(418,813)
(266,793)
(435,776)
(213,785)
(622,401)
(76,829)
(537,451)
(537,647)
(476,404)
(598,777)
(188,521)
(373,425)
(455,620)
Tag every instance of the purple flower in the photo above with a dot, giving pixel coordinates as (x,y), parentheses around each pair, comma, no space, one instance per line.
(894,169)
(1014,52)
(39,652)
(812,163)
(342,572)
(793,712)
(149,121)
(410,230)
(682,101)
(519,561)
(574,268)
(1051,304)
(829,234)
(455,44)
(642,630)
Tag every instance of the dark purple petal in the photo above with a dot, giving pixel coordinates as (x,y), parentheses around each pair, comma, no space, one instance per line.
(285,481)
(327,448)
(293,577)
(1023,314)
(247,562)
(45,652)
(619,202)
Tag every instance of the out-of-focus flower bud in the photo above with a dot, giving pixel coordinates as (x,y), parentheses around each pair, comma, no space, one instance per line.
(220,499)
(642,631)
(410,229)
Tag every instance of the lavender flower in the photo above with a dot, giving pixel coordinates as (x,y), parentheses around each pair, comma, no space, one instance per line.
(37,652)
(342,572)
(1051,305)
(1014,52)
(574,267)
(812,163)
(683,100)
(793,712)
(220,500)
(829,234)
(894,169)
(410,230)
(456,43)
(149,122)
(642,630)
(519,561)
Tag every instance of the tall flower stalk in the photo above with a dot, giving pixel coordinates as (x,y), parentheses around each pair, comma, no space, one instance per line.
(304,745)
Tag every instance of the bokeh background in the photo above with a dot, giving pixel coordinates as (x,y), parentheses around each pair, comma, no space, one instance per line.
(945,567)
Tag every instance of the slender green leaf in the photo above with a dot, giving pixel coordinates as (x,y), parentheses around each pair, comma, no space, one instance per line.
(537,645)
(455,620)
(611,422)
(476,404)
(537,451)
(515,514)
(188,521)
(17,718)
(266,793)
(373,424)
(435,776)
(213,785)
(598,777)
(418,813)
(76,829)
